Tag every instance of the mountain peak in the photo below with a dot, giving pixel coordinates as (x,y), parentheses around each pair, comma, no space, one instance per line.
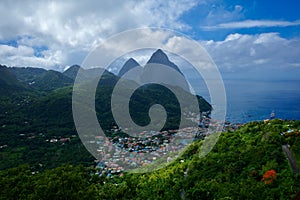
(74,67)
(160,57)
(129,64)
(131,61)
(72,71)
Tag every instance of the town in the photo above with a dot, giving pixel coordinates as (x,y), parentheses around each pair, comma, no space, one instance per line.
(117,154)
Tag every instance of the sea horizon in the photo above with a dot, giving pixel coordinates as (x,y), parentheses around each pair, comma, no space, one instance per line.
(254,100)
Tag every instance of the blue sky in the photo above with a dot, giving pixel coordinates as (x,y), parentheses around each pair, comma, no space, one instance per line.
(228,12)
(246,39)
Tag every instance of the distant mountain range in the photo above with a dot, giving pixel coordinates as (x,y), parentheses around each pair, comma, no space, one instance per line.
(52,90)
(26,78)
(36,101)
(14,79)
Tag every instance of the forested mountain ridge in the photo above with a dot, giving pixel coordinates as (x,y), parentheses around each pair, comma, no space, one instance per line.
(36,108)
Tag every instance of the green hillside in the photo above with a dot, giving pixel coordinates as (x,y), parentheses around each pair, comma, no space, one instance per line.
(8,82)
(30,118)
(27,75)
(40,79)
(42,156)
(235,169)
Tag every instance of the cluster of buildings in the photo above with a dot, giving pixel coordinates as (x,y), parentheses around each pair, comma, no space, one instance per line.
(62,140)
(118,153)
(291,132)
(124,153)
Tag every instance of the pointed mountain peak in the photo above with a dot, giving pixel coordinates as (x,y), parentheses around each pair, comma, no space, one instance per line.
(159,51)
(129,64)
(160,57)
(131,61)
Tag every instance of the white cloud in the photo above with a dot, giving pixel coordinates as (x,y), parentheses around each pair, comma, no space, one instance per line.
(75,27)
(266,51)
(253,24)
(6,50)
(221,14)
(24,56)
(63,32)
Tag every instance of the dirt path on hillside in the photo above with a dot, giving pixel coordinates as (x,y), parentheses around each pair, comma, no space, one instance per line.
(291,158)
(184,176)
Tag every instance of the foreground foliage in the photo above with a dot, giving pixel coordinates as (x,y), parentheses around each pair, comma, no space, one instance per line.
(245,164)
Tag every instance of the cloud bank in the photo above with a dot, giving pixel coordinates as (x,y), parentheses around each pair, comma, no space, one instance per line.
(56,34)
(63,32)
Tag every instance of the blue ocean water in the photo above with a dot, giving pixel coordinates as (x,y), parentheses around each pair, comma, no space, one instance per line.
(249,100)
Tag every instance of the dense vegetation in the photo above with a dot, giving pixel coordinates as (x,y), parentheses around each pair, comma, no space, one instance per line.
(42,156)
(33,115)
(245,164)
